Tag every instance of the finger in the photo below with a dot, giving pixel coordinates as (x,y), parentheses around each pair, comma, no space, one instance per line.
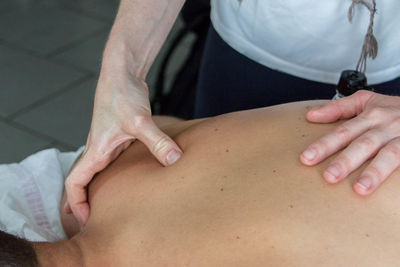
(339,138)
(160,145)
(75,186)
(359,151)
(77,198)
(342,108)
(386,161)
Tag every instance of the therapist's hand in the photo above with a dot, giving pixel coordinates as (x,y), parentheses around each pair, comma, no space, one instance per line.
(374,132)
(121,115)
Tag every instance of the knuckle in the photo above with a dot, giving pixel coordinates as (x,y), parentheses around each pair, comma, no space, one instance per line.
(140,122)
(393,151)
(160,145)
(362,93)
(375,113)
(322,147)
(96,167)
(343,162)
(375,174)
(343,133)
(395,122)
(322,144)
(366,141)
(98,163)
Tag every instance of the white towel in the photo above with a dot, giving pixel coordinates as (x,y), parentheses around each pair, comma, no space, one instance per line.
(30,195)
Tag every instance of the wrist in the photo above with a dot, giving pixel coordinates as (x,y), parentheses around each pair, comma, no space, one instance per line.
(119,60)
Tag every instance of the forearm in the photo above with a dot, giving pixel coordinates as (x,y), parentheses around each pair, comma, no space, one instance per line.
(139,30)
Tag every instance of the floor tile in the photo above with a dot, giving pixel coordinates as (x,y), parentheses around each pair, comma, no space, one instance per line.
(11,5)
(65,118)
(60,147)
(45,30)
(86,55)
(26,79)
(6,5)
(106,9)
(16,144)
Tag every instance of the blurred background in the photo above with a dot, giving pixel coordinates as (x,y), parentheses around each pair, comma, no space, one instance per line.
(50,56)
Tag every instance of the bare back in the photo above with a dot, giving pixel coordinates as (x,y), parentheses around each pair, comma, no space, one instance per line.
(238,197)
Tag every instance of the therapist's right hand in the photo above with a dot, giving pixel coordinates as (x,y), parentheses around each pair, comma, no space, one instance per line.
(121,115)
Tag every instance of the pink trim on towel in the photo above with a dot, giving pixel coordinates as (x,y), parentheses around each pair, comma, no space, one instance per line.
(34,199)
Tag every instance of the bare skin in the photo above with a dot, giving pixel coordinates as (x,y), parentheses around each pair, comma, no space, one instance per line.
(122,113)
(238,197)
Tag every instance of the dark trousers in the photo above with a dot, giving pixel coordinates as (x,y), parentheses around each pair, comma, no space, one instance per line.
(229,81)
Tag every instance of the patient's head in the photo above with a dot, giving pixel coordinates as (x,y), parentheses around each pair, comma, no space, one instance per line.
(15,251)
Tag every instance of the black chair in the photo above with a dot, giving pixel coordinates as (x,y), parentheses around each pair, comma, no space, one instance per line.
(179,99)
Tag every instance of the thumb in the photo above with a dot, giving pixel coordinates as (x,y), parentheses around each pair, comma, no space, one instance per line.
(160,145)
(342,108)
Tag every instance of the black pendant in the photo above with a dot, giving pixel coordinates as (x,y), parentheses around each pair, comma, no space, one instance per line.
(350,82)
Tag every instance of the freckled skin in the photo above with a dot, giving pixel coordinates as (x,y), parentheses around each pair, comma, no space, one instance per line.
(143,214)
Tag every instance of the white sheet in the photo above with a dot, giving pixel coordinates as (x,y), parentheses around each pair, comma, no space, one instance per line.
(30,195)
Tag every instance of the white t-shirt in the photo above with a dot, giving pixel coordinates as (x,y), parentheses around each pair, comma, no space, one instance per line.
(311,39)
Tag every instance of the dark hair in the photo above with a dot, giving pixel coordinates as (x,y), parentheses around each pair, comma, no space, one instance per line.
(16,252)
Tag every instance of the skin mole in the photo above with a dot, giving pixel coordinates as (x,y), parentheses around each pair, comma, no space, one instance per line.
(216,130)
(227,150)
(221,189)
(291,206)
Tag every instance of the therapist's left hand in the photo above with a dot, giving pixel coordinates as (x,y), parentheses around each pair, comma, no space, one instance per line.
(374,132)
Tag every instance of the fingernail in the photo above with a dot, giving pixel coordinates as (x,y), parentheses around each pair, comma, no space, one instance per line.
(364,183)
(173,156)
(333,173)
(310,154)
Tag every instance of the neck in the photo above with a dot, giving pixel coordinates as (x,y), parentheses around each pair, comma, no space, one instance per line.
(63,253)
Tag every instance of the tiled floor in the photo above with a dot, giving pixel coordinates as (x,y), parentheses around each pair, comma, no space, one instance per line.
(50,55)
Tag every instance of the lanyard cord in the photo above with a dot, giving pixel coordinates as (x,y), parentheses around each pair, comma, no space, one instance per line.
(370,45)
